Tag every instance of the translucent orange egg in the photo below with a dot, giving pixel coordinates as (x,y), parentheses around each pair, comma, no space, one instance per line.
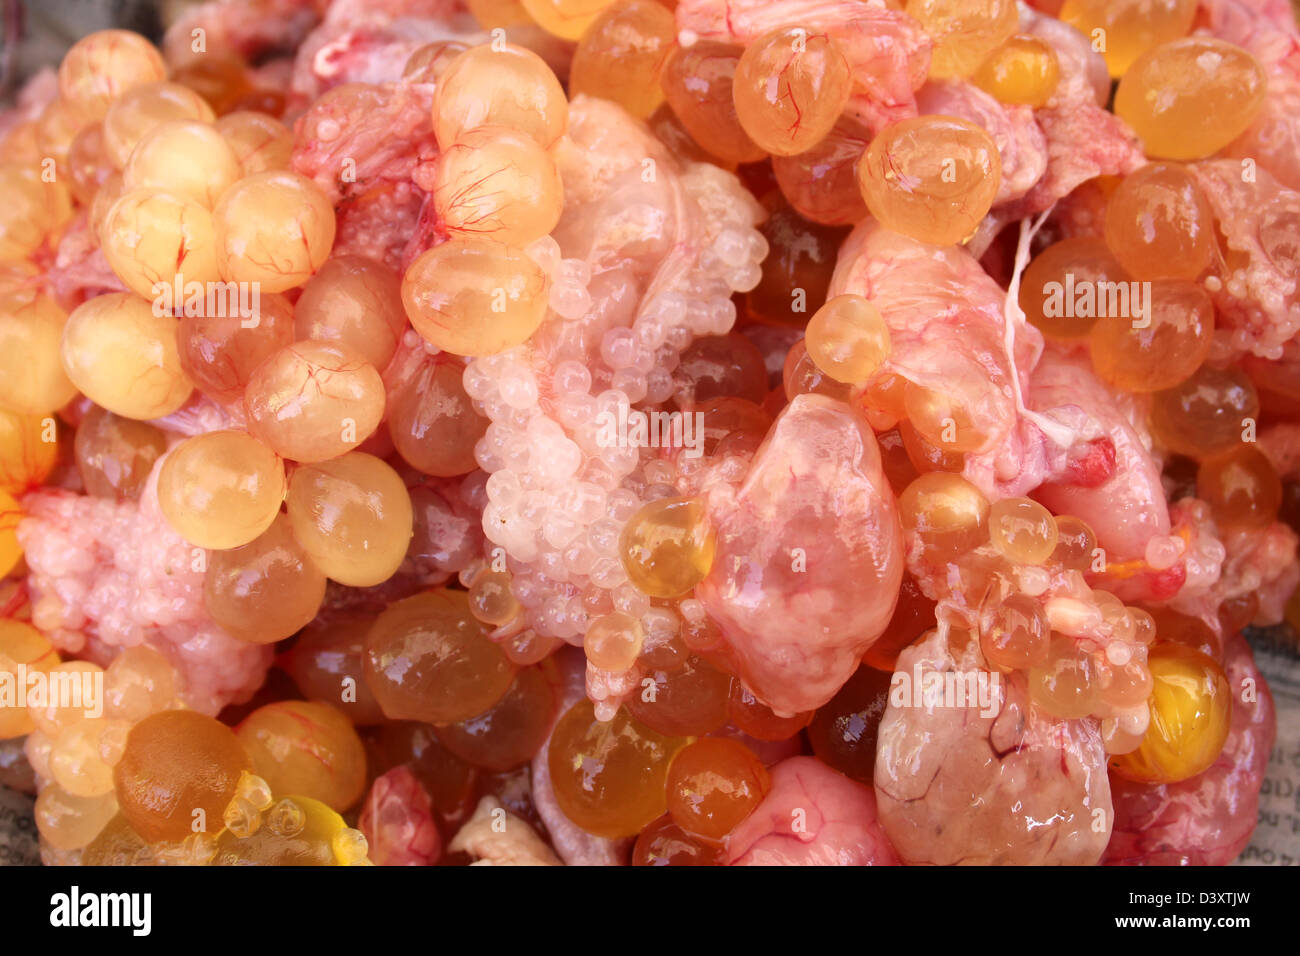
(326,662)
(115,455)
(567,19)
(751,716)
(964,32)
(177,774)
(1014,633)
(1075,542)
(621,54)
(1159,224)
(29,448)
(307,748)
(1157,346)
(142,108)
(848,339)
(1023,71)
(490,598)
(1189,98)
(273,228)
(356,302)
(34,210)
(822,182)
(105,64)
(698,85)
(431,61)
(20,643)
(946,512)
(69,822)
(1124,30)
(932,178)
(428,659)
(1206,413)
(511,731)
(266,590)
(914,614)
(1058,291)
(475,296)
(1241,487)
(158,242)
(219,352)
(664,843)
(500,85)
(122,355)
(260,142)
(609,776)
(687,700)
(667,546)
(1063,684)
(221,489)
(88,166)
(185,158)
(313,401)
(433,422)
(1022,530)
(713,784)
(790,87)
(498,183)
(353,517)
(138,682)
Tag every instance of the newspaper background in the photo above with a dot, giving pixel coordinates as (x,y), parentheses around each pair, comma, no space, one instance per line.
(48,28)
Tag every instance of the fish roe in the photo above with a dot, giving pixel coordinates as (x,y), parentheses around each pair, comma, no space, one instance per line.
(848,339)
(428,659)
(1191,712)
(353,517)
(1157,345)
(1159,225)
(1129,28)
(713,784)
(1190,98)
(307,748)
(221,489)
(609,776)
(266,590)
(932,178)
(177,774)
(790,87)
(667,546)
(1206,413)
(1241,487)
(965,32)
(1024,71)
(622,53)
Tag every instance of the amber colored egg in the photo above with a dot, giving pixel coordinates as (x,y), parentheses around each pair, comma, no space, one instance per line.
(713,784)
(177,774)
(609,776)
(429,659)
(509,733)
(307,748)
